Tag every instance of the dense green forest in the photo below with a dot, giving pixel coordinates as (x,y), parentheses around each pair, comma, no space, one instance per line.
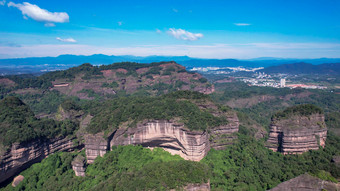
(123,168)
(249,165)
(18,123)
(298,110)
(181,104)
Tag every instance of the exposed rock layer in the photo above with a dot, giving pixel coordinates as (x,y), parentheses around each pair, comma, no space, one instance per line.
(174,138)
(21,156)
(306,182)
(78,165)
(95,145)
(197,187)
(297,134)
(169,135)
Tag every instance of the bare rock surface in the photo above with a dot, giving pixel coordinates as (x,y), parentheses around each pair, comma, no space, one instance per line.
(95,145)
(78,165)
(172,137)
(21,156)
(17,180)
(306,182)
(197,187)
(297,134)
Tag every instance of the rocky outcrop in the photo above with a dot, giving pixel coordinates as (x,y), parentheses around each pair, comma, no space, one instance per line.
(172,136)
(306,182)
(78,165)
(169,135)
(95,145)
(17,180)
(197,187)
(297,134)
(21,156)
(222,136)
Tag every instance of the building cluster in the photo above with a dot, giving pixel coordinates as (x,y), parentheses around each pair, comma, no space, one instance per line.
(265,80)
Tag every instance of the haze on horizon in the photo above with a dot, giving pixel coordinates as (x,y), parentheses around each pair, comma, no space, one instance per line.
(201,29)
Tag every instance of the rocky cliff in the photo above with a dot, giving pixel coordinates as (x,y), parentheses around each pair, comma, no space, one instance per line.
(297,134)
(78,165)
(169,135)
(21,156)
(173,137)
(95,145)
(306,182)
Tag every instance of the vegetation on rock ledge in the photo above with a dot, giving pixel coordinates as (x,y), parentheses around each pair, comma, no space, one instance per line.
(18,123)
(298,110)
(180,104)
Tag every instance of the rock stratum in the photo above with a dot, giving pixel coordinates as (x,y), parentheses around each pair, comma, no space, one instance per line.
(306,182)
(167,134)
(297,134)
(21,156)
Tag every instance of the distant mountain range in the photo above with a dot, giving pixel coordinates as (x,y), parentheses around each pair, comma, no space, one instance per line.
(304,68)
(42,64)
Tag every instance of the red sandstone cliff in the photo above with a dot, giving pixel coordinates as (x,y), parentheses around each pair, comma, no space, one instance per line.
(297,134)
(21,156)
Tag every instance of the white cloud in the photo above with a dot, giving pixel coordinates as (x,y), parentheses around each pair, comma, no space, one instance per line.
(175,10)
(242,24)
(42,15)
(66,39)
(158,31)
(49,25)
(184,35)
(120,23)
(3,2)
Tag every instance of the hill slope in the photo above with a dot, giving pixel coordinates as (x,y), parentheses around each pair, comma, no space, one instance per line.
(304,68)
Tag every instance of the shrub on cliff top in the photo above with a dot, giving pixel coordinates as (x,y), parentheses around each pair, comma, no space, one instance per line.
(113,113)
(300,110)
(18,123)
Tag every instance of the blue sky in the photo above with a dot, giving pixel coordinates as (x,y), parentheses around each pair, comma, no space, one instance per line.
(197,28)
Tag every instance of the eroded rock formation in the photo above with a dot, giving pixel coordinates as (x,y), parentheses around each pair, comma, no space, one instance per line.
(197,187)
(21,156)
(169,135)
(17,180)
(95,145)
(173,137)
(78,165)
(297,134)
(306,182)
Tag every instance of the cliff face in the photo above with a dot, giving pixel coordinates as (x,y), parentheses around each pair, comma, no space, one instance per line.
(169,135)
(173,137)
(95,145)
(297,134)
(222,136)
(21,156)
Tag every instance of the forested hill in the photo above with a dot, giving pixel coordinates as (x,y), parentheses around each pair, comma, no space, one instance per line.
(18,124)
(89,82)
(304,68)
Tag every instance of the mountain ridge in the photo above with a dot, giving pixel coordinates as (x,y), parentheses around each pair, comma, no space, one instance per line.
(61,62)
